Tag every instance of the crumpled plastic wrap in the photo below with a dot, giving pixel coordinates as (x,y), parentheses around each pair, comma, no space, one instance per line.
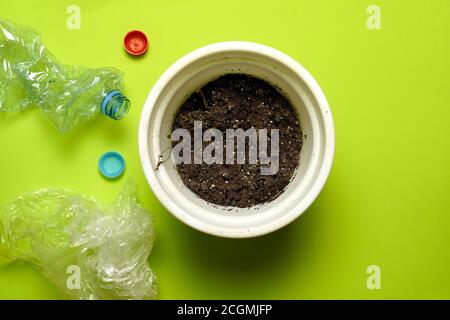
(88,250)
(31,76)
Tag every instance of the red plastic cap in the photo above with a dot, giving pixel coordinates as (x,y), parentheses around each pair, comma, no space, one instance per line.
(135,42)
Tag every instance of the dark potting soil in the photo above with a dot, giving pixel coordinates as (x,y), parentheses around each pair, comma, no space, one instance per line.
(240,101)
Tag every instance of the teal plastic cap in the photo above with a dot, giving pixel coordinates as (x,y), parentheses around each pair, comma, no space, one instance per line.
(111,164)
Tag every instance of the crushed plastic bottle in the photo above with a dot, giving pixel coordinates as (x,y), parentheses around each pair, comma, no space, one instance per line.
(69,95)
(86,249)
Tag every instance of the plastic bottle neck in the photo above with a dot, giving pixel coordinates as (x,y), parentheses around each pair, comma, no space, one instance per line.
(115,105)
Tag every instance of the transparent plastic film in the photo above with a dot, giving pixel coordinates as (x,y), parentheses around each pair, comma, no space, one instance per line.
(86,249)
(69,95)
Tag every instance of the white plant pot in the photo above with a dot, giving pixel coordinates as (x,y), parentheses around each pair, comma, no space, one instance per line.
(189,74)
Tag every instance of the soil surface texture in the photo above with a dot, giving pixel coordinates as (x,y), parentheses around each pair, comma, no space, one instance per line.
(236,101)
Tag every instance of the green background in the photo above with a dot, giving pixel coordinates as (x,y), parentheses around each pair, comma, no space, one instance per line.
(387,199)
